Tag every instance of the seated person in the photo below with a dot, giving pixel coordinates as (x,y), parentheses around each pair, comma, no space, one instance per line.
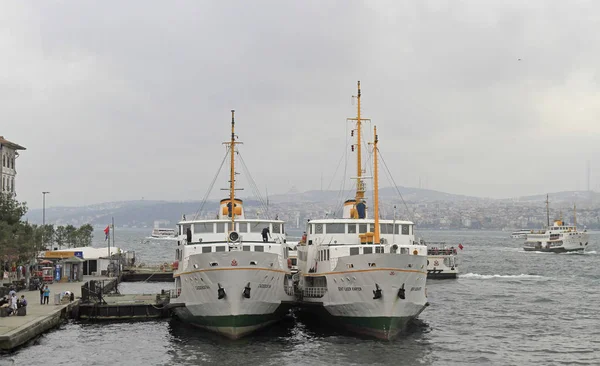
(3,301)
(22,302)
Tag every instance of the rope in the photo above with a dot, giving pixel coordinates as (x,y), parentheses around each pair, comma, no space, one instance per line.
(410,213)
(205,198)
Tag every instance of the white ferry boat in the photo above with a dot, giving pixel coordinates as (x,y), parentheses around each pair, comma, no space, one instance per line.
(233,273)
(558,238)
(520,234)
(163,233)
(366,274)
(442,261)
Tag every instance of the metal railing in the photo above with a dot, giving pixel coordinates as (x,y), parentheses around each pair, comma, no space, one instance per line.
(314,291)
(289,290)
(174,293)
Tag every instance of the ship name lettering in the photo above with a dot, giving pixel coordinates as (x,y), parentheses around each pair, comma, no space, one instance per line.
(342,288)
(415,288)
(263,285)
(203,287)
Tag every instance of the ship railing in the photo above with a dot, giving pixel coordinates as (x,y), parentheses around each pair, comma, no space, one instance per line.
(289,290)
(174,293)
(314,292)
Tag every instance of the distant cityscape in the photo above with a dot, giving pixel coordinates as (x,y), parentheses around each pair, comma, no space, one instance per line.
(444,211)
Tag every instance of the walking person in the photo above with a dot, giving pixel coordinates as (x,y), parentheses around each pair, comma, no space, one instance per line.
(41,293)
(46,295)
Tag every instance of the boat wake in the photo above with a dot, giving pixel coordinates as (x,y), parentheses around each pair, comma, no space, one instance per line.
(521,276)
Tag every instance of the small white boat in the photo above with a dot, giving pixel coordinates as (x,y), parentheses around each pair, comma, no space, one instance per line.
(163,233)
(442,260)
(520,234)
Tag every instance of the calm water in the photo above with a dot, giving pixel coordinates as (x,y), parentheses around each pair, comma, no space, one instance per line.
(508,308)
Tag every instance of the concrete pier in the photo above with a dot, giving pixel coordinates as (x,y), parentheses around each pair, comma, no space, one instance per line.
(18,330)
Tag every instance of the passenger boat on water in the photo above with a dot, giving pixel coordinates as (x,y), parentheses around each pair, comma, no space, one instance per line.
(558,238)
(233,274)
(366,274)
(442,260)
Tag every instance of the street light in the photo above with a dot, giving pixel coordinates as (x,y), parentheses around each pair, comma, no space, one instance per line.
(44,208)
(44,217)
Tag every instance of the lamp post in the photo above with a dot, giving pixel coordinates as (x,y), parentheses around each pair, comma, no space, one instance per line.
(44,216)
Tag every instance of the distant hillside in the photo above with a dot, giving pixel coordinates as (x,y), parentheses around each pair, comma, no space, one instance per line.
(409,194)
(143,213)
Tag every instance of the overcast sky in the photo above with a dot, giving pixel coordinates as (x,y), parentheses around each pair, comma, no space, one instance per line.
(122,100)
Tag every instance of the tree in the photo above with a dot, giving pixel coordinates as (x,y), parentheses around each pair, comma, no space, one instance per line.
(85,235)
(60,236)
(71,236)
(19,241)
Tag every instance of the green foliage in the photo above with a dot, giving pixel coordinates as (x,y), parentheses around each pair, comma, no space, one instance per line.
(20,242)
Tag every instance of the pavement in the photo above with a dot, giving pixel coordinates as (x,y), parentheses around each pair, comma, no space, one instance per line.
(37,312)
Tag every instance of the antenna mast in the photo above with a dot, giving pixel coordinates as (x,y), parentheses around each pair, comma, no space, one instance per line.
(548,211)
(232,144)
(376,186)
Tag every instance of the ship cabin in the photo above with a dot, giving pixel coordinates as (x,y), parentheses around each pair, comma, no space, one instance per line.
(356,236)
(556,232)
(224,235)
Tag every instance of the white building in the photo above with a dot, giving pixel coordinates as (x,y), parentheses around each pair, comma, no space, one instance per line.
(96,259)
(9,154)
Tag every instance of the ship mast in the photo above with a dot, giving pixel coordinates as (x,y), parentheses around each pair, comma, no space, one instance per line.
(376,186)
(232,144)
(360,186)
(548,211)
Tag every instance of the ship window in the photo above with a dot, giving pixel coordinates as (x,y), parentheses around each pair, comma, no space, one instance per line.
(276,228)
(283,228)
(353,251)
(256,227)
(220,227)
(335,228)
(367,250)
(378,249)
(206,227)
(243,227)
(246,248)
(319,229)
(206,249)
(362,228)
(327,255)
(403,250)
(386,228)
(220,248)
(259,248)
(351,228)
(405,229)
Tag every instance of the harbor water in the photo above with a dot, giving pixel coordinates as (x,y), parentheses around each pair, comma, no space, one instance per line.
(507,308)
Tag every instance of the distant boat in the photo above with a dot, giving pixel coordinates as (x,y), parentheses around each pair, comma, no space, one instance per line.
(163,233)
(558,238)
(520,234)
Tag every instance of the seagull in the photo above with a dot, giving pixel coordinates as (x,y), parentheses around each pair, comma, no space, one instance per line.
(519,59)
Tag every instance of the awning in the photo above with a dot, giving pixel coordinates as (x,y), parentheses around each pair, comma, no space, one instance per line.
(74,260)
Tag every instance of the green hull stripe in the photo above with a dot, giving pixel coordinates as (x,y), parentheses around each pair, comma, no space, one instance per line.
(235,321)
(378,323)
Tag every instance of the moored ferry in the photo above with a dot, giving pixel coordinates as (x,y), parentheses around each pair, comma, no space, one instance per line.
(366,274)
(233,274)
(442,260)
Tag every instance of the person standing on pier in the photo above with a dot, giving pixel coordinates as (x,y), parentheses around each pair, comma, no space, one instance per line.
(13,304)
(41,293)
(46,295)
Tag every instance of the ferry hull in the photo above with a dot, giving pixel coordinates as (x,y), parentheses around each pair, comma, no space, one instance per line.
(350,300)
(234,315)
(232,326)
(553,250)
(436,274)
